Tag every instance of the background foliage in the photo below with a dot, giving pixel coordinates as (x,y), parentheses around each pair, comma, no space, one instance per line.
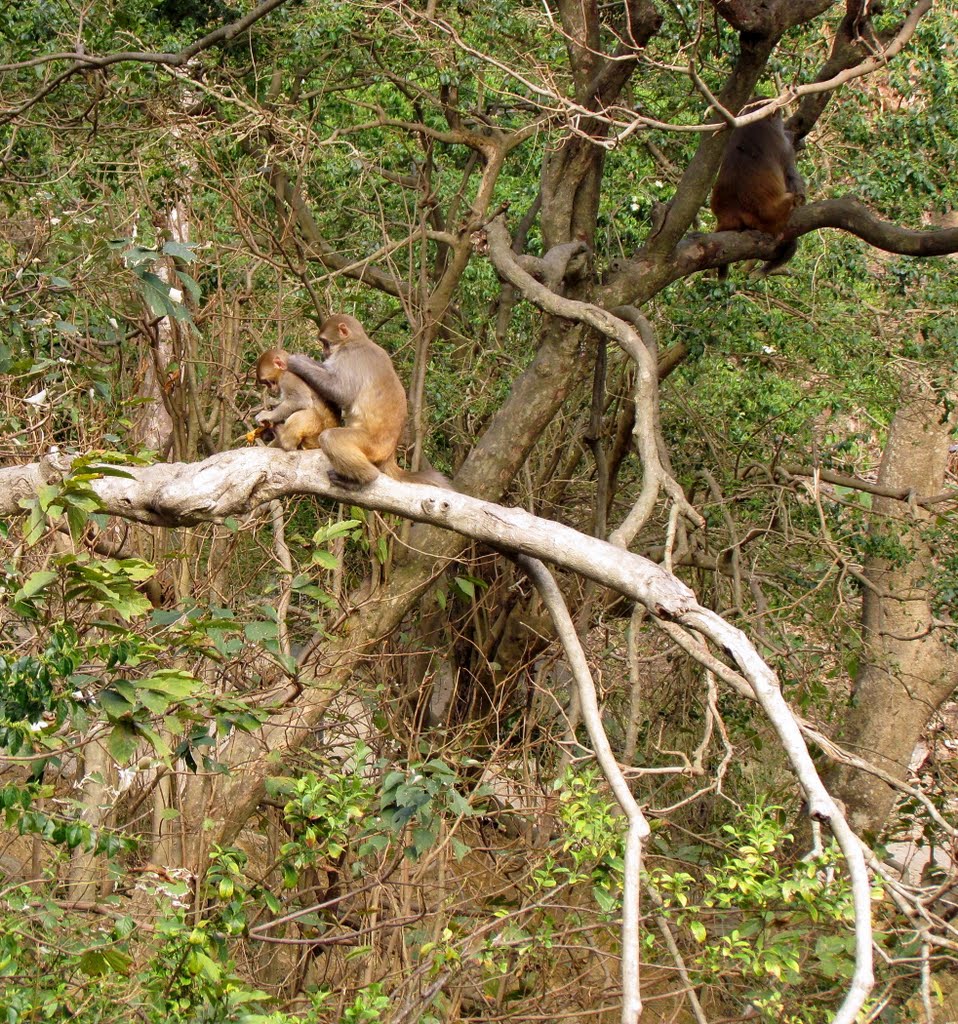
(441,848)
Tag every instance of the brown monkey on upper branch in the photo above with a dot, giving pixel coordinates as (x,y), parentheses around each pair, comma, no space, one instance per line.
(358,377)
(758,185)
(301,416)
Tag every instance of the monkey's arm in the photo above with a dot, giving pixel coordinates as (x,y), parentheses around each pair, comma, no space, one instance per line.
(322,379)
(281,413)
(794,182)
(293,399)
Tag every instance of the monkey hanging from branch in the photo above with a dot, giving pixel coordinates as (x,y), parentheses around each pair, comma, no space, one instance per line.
(758,186)
(301,416)
(357,376)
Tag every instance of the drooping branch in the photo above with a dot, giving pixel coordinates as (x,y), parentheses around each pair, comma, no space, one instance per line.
(638,830)
(620,331)
(234,482)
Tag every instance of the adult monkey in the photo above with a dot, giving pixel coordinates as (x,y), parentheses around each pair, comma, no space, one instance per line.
(301,416)
(358,377)
(758,185)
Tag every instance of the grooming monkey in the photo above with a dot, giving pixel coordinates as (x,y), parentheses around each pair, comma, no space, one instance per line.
(758,185)
(301,416)
(358,377)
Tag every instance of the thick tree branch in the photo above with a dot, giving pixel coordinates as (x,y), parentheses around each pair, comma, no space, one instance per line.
(620,331)
(232,483)
(700,252)
(850,214)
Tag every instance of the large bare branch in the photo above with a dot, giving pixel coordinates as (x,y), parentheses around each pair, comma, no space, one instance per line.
(700,252)
(622,332)
(638,828)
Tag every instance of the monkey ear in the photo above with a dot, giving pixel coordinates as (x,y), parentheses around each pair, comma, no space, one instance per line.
(279,361)
(343,329)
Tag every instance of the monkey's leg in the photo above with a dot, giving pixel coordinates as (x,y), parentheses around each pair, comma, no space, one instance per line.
(303,428)
(290,434)
(776,265)
(345,448)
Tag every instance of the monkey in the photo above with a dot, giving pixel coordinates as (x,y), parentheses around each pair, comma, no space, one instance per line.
(758,186)
(301,416)
(358,376)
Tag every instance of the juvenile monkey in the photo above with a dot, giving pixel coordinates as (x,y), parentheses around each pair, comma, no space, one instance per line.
(758,185)
(301,416)
(358,377)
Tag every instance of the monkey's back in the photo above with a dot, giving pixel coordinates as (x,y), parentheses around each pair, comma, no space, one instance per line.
(751,190)
(380,406)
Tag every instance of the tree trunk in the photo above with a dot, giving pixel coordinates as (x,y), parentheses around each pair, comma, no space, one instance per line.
(907,668)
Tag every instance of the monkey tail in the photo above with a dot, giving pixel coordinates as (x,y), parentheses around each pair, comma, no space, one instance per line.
(427,475)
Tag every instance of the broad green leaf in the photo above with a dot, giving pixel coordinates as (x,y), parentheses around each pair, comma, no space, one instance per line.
(180,250)
(114,704)
(122,742)
(173,683)
(259,631)
(325,558)
(34,584)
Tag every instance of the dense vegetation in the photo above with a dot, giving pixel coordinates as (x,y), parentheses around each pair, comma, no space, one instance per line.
(304,761)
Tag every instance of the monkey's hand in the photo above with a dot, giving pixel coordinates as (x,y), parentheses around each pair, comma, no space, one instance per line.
(265,418)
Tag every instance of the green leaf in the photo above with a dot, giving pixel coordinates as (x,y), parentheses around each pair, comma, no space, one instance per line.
(180,250)
(155,702)
(171,682)
(698,931)
(156,294)
(122,742)
(114,704)
(333,530)
(259,631)
(192,288)
(458,804)
(46,495)
(95,962)
(325,558)
(35,583)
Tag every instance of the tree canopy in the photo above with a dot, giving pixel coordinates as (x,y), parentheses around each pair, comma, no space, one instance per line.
(652,713)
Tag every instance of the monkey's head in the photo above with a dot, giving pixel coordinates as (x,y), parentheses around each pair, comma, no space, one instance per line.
(338,329)
(270,366)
